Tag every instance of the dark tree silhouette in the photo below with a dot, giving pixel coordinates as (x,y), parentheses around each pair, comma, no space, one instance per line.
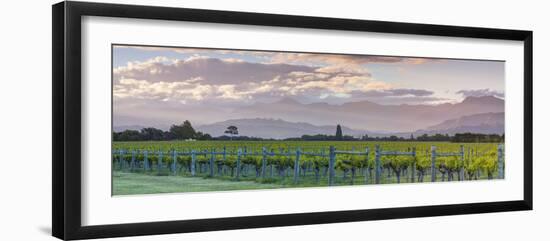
(339,135)
(232,131)
(151,133)
(203,136)
(183,131)
(127,135)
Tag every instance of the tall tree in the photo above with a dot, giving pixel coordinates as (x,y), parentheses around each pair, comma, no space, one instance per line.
(183,131)
(339,135)
(232,131)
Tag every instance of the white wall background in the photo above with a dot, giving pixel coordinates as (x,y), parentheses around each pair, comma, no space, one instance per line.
(25,101)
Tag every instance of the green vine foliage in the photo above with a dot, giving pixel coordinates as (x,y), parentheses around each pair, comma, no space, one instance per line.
(397,162)
(152,158)
(282,161)
(319,162)
(423,163)
(472,166)
(230,161)
(184,160)
(343,162)
(203,159)
(272,160)
(488,163)
(449,163)
(252,160)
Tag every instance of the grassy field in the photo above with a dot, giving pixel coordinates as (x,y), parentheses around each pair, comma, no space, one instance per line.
(126,181)
(129,183)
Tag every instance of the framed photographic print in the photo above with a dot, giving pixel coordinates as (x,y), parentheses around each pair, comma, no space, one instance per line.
(169,120)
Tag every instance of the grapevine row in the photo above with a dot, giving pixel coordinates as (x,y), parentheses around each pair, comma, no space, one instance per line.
(373,166)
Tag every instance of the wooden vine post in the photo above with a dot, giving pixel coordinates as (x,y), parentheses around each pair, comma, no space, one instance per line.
(120,158)
(367,165)
(145,161)
(212,162)
(500,156)
(271,166)
(174,162)
(264,160)
(133,162)
(433,148)
(413,166)
(331,162)
(159,161)
(377,164)
(193,160)
(239,153)
(297,166)
(461,176)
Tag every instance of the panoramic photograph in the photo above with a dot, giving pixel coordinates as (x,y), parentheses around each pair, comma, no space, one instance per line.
(188,119)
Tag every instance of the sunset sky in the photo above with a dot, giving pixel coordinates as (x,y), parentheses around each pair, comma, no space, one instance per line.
(153,85)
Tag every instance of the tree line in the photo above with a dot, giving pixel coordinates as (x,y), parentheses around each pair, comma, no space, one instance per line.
(185,131)
(459,137)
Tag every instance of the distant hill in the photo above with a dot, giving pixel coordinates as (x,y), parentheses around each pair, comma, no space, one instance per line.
(274,128)
(486,123)
(369,115)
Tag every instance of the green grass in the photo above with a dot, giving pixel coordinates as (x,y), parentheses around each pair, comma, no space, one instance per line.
(129,183)
(134,183)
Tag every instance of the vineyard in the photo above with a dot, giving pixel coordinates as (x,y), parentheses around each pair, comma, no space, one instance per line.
(276,164)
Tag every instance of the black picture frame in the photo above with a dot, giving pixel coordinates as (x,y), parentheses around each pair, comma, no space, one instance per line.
(66,152)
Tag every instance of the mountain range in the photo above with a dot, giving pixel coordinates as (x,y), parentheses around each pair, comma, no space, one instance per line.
(289,118)
(274,128)
(486,123)
(366,115)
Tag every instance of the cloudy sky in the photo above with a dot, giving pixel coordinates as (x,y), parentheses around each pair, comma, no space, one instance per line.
(155,86)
